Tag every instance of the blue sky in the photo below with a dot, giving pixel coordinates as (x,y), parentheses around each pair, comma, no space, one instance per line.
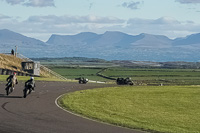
(41,18)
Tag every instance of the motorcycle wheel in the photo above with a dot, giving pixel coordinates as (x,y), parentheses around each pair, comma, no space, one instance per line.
(25,93)
(30,90)
(130,83)
(7,91)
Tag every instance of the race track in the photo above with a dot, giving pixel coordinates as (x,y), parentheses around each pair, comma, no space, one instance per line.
(38,112)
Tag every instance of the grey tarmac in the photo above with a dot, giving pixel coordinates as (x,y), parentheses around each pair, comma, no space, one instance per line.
(38,112)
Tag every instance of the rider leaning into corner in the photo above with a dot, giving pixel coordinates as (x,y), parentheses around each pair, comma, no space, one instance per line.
(12,80)
(30,83)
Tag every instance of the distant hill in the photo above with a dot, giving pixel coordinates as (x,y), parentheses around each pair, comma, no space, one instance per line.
(112,39)
(189,40)
(100,63)
(10,39)
(111,45)
(121,46)
(69,39)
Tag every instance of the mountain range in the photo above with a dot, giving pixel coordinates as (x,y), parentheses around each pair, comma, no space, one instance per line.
(111,45)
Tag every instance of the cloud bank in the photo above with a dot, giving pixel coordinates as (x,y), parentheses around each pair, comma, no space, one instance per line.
(3,17)
(188,1)
(41,27)
(33,3)
(167,26)
(14,2)
(53,19)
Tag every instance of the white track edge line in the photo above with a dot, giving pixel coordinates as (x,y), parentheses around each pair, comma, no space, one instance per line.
(56,102)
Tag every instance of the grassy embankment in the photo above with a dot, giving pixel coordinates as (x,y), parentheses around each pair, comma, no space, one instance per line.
(173,109)
(13,63)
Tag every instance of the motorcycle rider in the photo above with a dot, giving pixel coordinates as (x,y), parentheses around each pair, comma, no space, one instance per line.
(12,80)
(30,84)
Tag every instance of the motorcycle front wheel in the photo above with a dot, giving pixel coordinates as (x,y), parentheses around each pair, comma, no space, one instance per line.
(25,93)
(7,91)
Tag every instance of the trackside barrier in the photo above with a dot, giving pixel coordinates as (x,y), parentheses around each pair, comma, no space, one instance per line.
(96,82)
(9,72)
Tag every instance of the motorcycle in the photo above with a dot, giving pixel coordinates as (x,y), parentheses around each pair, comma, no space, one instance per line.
(9,88)
(83,81)
(124,81)
(27,90)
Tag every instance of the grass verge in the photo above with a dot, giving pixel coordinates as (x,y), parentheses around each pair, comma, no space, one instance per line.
(154,108)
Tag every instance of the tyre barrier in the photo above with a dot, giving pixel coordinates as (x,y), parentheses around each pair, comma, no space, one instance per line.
(9,72)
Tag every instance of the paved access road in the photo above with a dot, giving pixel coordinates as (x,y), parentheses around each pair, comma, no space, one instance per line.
(38,112)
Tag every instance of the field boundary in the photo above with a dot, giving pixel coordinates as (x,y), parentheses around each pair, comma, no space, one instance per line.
(104,76)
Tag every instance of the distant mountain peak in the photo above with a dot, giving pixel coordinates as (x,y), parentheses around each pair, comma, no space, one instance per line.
(188,40)
(110,45)
(4,30)
(12,39)
(86,33)
(114,32)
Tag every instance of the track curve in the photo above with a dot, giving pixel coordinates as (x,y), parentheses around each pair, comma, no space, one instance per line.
(38,113)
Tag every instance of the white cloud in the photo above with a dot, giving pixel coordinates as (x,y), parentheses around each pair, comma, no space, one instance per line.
(166,20)
(3,17)
(52,19)
(41,27)
(69,24)
(132,5)
(40,3)
(33,3)
(44,26)
(14,2)
(162,26)
(188,1)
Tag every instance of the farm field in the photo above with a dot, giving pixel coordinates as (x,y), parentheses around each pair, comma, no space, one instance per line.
(138,75)
(157,76)
(173,109)
(72,73)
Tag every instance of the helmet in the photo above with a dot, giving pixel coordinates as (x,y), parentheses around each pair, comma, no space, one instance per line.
(32,78)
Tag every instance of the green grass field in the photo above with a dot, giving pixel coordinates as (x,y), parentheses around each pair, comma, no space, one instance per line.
(139,76)
(158,76)
(116,72)
(72,73)
(173,109)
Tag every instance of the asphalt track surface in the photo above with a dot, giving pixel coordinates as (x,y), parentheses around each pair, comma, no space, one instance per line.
(38,112)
